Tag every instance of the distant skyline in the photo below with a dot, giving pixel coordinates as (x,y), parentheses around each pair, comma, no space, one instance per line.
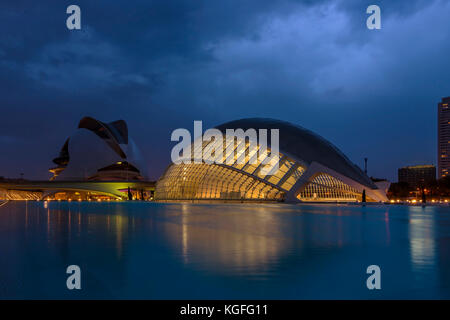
(160,65)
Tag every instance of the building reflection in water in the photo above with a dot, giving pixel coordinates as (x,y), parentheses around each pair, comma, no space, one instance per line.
(423,247)
(259,240)
(135,242)
(421,237)
(230,238)
(68,232)
(230,244)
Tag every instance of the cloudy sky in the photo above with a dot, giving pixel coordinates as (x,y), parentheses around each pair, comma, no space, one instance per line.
(162,64)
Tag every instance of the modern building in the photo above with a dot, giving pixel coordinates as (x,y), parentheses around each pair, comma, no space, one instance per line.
(99,151)
(99,161)
(417,176)
(310,169)
(443,137)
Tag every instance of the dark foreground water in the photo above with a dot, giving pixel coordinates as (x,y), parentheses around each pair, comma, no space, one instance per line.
(202,251)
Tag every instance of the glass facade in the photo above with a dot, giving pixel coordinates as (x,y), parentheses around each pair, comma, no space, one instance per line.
(212,181)
(324,187)
(239,176)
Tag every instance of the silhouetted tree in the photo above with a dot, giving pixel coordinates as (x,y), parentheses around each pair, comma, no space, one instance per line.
(399,190)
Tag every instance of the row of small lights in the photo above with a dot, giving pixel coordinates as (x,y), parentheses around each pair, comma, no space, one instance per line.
(79,200)
(415,201)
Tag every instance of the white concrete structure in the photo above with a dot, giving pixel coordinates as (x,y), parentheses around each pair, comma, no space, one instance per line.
(99,151)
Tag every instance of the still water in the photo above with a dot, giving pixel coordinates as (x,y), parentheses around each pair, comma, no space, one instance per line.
(135,250)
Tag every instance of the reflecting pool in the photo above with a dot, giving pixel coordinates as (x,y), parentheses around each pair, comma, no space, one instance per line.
(143,250)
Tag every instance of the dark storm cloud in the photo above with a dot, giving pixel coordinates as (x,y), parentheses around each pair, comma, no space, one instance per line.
(162,64)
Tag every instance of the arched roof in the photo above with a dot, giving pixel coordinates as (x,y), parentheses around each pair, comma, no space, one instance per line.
(96,145)
(114,133)
(304,145)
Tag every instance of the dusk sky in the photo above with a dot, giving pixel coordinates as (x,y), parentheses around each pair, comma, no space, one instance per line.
(160,65)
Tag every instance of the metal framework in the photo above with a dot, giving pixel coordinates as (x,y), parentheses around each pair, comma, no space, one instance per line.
(236,177)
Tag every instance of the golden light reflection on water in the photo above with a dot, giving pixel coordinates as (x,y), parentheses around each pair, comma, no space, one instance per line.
(251,239)
(388,232)
(264,243)
(421,237)
(239,239)
(184,222)
(121,227)
(67,222)
(235,244)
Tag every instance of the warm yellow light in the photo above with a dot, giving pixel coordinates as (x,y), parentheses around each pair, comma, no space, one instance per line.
(392,201)
(414,201)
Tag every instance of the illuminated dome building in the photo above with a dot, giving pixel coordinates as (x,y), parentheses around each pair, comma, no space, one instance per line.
(98,151)
(310,169)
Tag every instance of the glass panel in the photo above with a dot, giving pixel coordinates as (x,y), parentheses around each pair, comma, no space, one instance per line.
(327,188)
(203,181)
(293,178)
(231,158)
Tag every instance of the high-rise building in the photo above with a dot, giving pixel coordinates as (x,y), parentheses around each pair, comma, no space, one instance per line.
(417,176)
(443,137)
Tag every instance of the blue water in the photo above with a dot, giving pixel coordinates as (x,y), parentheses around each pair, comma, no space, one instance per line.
(224,251)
